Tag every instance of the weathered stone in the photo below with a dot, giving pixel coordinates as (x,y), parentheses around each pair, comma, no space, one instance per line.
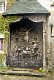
(22,39)
(34,42)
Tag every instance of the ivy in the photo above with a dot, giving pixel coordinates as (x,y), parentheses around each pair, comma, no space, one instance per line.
(4,22)
(4,27)
(10,3)
(11,19)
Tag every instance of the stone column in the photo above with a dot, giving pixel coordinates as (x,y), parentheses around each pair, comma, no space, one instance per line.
(48,45)
(44,54)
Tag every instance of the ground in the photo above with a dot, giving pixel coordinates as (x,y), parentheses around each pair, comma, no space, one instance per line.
(6,77)
(13,77)
(49,75)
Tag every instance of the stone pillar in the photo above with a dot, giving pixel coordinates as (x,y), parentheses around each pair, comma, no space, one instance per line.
(48,45)
(44,57)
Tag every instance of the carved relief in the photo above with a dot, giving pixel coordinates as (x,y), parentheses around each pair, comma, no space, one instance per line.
(26,46)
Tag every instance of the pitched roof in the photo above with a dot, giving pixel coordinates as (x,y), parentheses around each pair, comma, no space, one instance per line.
(26,7)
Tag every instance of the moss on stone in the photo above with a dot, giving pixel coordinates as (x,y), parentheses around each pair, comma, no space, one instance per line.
(2,59)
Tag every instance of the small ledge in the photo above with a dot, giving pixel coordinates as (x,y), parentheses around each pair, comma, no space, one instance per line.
(22,73)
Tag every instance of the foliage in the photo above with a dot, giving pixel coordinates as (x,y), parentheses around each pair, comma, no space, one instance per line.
(3,24)
(10,19)
(2,27)
(10,3)
(3,68)
(2,58)
(43,70)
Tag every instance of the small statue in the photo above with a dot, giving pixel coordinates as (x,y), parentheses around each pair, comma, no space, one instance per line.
(34,47)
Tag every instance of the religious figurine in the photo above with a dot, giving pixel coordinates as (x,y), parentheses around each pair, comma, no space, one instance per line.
(34,47)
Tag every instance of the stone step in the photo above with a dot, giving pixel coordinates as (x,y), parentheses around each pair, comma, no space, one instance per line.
(21,69)
(22,73)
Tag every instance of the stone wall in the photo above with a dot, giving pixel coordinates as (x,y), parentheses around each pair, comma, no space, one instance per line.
(51,23)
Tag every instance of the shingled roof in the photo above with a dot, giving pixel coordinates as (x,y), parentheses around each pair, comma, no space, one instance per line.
(26,7)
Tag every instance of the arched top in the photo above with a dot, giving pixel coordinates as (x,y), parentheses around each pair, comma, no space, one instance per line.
(30,19)
(25,24)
